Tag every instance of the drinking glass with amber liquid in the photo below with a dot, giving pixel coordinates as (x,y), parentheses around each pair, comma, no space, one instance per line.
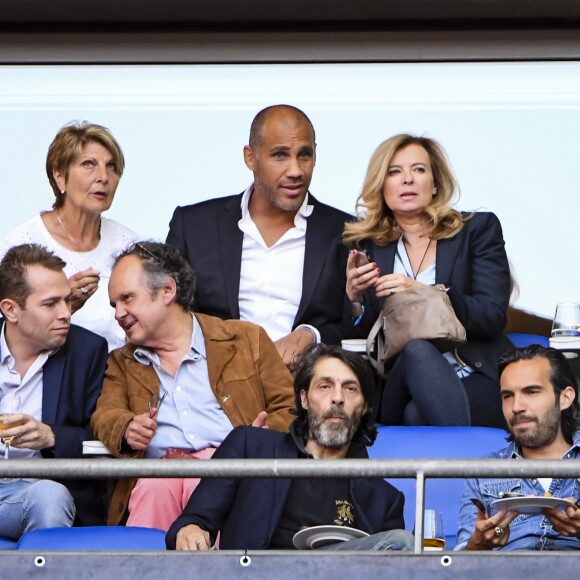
(433,535)
(13,404)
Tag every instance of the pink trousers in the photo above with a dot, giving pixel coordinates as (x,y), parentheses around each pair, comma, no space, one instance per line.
(156,503)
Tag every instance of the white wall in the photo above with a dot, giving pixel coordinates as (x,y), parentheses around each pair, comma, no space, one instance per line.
(510,131)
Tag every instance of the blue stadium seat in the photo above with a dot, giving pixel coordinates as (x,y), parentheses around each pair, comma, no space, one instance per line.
(519,339)
(93,538)
(443,495)
(7,544)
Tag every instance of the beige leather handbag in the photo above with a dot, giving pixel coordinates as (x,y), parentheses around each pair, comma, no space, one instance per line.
(423,313)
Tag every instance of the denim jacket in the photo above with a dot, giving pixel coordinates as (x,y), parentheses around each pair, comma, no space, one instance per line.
(527,532)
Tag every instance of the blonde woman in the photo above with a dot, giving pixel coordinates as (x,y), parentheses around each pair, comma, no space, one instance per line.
(413,236)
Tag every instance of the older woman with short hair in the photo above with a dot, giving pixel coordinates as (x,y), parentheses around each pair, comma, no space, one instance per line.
(84,165)
(415,237)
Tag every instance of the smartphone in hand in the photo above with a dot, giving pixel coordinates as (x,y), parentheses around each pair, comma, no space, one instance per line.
(362,258)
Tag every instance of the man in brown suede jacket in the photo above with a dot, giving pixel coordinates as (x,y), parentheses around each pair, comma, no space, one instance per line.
(182,382)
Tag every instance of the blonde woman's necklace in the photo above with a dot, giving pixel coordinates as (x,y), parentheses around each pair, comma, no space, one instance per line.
(415,274)
(65,230)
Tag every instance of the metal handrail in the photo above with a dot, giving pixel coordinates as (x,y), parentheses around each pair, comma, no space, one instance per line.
(420,469)
(276,468)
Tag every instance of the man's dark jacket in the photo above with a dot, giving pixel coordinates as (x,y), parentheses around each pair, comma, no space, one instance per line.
(247,510)
(209,237)
(72,379)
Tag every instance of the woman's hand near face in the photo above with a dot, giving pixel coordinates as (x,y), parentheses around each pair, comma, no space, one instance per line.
(359,278)
(83,285)
(392,283)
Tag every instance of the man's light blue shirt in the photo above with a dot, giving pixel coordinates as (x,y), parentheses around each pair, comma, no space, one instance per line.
(191,417)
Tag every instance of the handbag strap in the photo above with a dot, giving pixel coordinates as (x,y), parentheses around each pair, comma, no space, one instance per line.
(380,255)
(375,333)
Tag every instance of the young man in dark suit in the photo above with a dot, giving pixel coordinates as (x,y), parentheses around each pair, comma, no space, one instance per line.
(51,373)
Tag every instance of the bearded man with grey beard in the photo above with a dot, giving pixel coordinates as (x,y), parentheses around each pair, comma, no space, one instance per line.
(539,394)
(334,434)
(333,390)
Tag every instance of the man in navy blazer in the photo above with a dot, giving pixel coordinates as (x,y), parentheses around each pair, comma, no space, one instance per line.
(273,254)
(332,390)
(51,374)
